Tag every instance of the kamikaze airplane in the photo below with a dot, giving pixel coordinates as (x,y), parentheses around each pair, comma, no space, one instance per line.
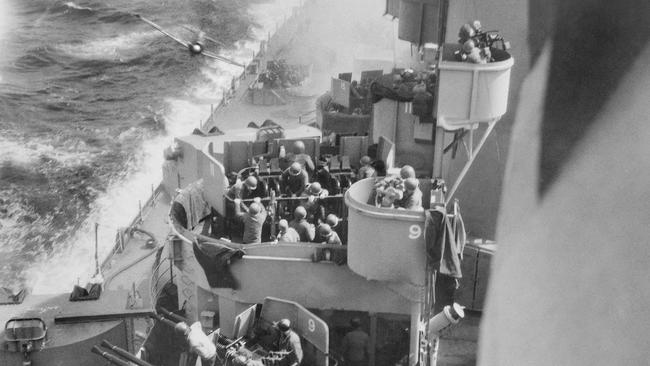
(197,47)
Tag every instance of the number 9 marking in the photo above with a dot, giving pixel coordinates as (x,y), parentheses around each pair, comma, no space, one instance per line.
(311,325)
(415,231)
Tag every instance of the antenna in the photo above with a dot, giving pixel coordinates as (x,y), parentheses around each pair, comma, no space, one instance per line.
(96,250)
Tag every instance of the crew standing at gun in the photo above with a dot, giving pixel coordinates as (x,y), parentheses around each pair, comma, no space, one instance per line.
(289,341)
(355,345)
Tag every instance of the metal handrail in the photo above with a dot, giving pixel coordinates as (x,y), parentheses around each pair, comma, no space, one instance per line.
(119,245)
(157,275)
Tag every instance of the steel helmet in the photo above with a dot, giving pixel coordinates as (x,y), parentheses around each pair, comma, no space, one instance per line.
(365,160)
(251,182)
(295,168)
(284,325)
(283,224)
(477,25)
(298,147)
(468,46)
(332,220)
(407,171)
(411,184)
(466,31)
(254,208)
(324,230)
(299,213)
(314,189)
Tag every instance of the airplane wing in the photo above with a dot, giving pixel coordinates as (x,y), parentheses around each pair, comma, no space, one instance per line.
(221,58)
(197,31)
(179,40)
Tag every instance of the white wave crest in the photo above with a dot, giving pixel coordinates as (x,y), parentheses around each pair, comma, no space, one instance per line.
(72,5)
(110,48)
(30,151)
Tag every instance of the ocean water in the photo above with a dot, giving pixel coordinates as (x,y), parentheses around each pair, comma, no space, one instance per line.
(89,97)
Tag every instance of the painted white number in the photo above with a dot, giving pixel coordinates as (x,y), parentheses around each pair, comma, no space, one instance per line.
(311,325)
(415,231)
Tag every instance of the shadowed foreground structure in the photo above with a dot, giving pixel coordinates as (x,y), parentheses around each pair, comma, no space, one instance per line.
(569,285)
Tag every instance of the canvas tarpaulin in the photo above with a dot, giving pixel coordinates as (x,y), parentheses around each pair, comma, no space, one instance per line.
(215,260)
(442,249)
(192,198)
(421,95)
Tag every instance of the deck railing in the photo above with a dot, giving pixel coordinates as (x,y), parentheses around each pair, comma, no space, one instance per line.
(120,236)
(162,274)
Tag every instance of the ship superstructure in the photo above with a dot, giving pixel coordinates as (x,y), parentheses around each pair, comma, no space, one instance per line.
(402,273)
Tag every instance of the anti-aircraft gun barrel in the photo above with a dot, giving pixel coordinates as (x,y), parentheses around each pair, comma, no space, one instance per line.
(109,356)
(125,354)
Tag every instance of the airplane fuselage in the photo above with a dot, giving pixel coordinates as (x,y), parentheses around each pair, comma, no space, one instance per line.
(195,48)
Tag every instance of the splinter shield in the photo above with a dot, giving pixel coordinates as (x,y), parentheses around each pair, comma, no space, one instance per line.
(341,92)
(307,325)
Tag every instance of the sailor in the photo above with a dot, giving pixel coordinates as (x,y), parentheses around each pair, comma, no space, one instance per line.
(253,218)
(199,343)
(336,224)
(289,341)
(243,190)
(355,345)
(299,156)
(294,180)
(412,199)
(366,170)
(286,233)
(327,235)
(305,230)
(315,211)
(466,32)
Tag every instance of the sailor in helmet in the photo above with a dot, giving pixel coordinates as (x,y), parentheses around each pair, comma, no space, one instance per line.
(294,180)
(302,158)
(244,190)
(198,342)
(314,207)
(327,235)
(289,341)
(412,199)
(365,169)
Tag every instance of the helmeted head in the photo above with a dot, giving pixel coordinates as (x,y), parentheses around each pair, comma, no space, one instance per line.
(477,25)
(324,230)
(254,209)
(298,147)
(406,172)
(295,168)
(284,325)
(314,189)
(410,184)
(468,46)
(365,160)
(251,183)
(332,220)
(466,32)
(283,225)
(299,213)
(181,328)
